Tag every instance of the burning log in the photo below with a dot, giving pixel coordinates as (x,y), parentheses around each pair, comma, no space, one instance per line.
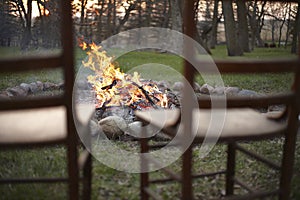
(118,93)
(146,95)
(110,86)
(115,88)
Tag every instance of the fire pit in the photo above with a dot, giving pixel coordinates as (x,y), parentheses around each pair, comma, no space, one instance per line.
(116,95)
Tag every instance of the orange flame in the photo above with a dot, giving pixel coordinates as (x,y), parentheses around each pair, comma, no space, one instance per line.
(81,43)
(115,88)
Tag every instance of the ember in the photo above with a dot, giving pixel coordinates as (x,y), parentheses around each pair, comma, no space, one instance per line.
(114,88)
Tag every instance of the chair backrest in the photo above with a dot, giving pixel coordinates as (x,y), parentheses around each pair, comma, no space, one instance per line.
(63,60)
(252,67)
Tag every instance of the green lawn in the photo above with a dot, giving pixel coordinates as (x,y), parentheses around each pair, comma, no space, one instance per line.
(111,184)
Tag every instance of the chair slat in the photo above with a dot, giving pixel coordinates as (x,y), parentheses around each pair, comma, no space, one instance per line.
(23,103)
(255,195)
(254,102)
(152,194)
(167,171)
(31,63)
(32,180)
(243,185)
(247,66)
(258,157)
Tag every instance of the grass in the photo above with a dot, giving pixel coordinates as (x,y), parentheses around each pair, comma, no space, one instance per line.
(257,53)
(112,184)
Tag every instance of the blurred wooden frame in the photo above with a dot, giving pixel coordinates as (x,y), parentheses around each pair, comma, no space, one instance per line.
(47,121)
(237,108)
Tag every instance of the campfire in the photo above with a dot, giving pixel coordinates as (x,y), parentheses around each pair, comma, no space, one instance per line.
(116,90)
(117,95)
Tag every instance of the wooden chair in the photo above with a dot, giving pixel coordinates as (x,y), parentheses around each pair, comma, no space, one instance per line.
(241,124)
(47,121)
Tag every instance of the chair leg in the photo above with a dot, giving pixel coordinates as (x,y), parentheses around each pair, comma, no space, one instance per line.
(144,184)
(287,166)
(87,173)
(230,172)
(73,172)
(186,185)
(144,176)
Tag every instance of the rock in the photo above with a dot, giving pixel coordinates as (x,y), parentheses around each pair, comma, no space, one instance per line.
(232,91)
(206,89)
(218,91)
(33,87)
(197,87)
(25,87)
(113,126)
(178,86)
(61,86)
(4,96)
(123,112)
(135,129)
(16,92)
(247,93)
(50,86)
(163,85)
(40,85)
(94,128)
(273,108)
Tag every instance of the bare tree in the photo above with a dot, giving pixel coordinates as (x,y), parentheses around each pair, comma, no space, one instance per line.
(82,28)
(123,20)
(233,48)
(11,25)
(176,15)
(214,30)
(296,31)
(283,20)
(99,18)
(28,17)
(256,14)
(288,25)
(243,32)
(166,14)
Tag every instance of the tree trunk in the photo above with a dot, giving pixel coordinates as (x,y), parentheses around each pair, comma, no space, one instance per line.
(296,31)
(122,21)
(109,30)
(82,16)
(280,32)
(233,48)
(148,13)
(282,24)
(99,33)
(253,26)
(260,24)
(273,31)
(202,38)
(140,20)
(27,34)
(176,15)
(42,25)
(214,30)
(256,23)
(166,13)
(243,32)
(288,26)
